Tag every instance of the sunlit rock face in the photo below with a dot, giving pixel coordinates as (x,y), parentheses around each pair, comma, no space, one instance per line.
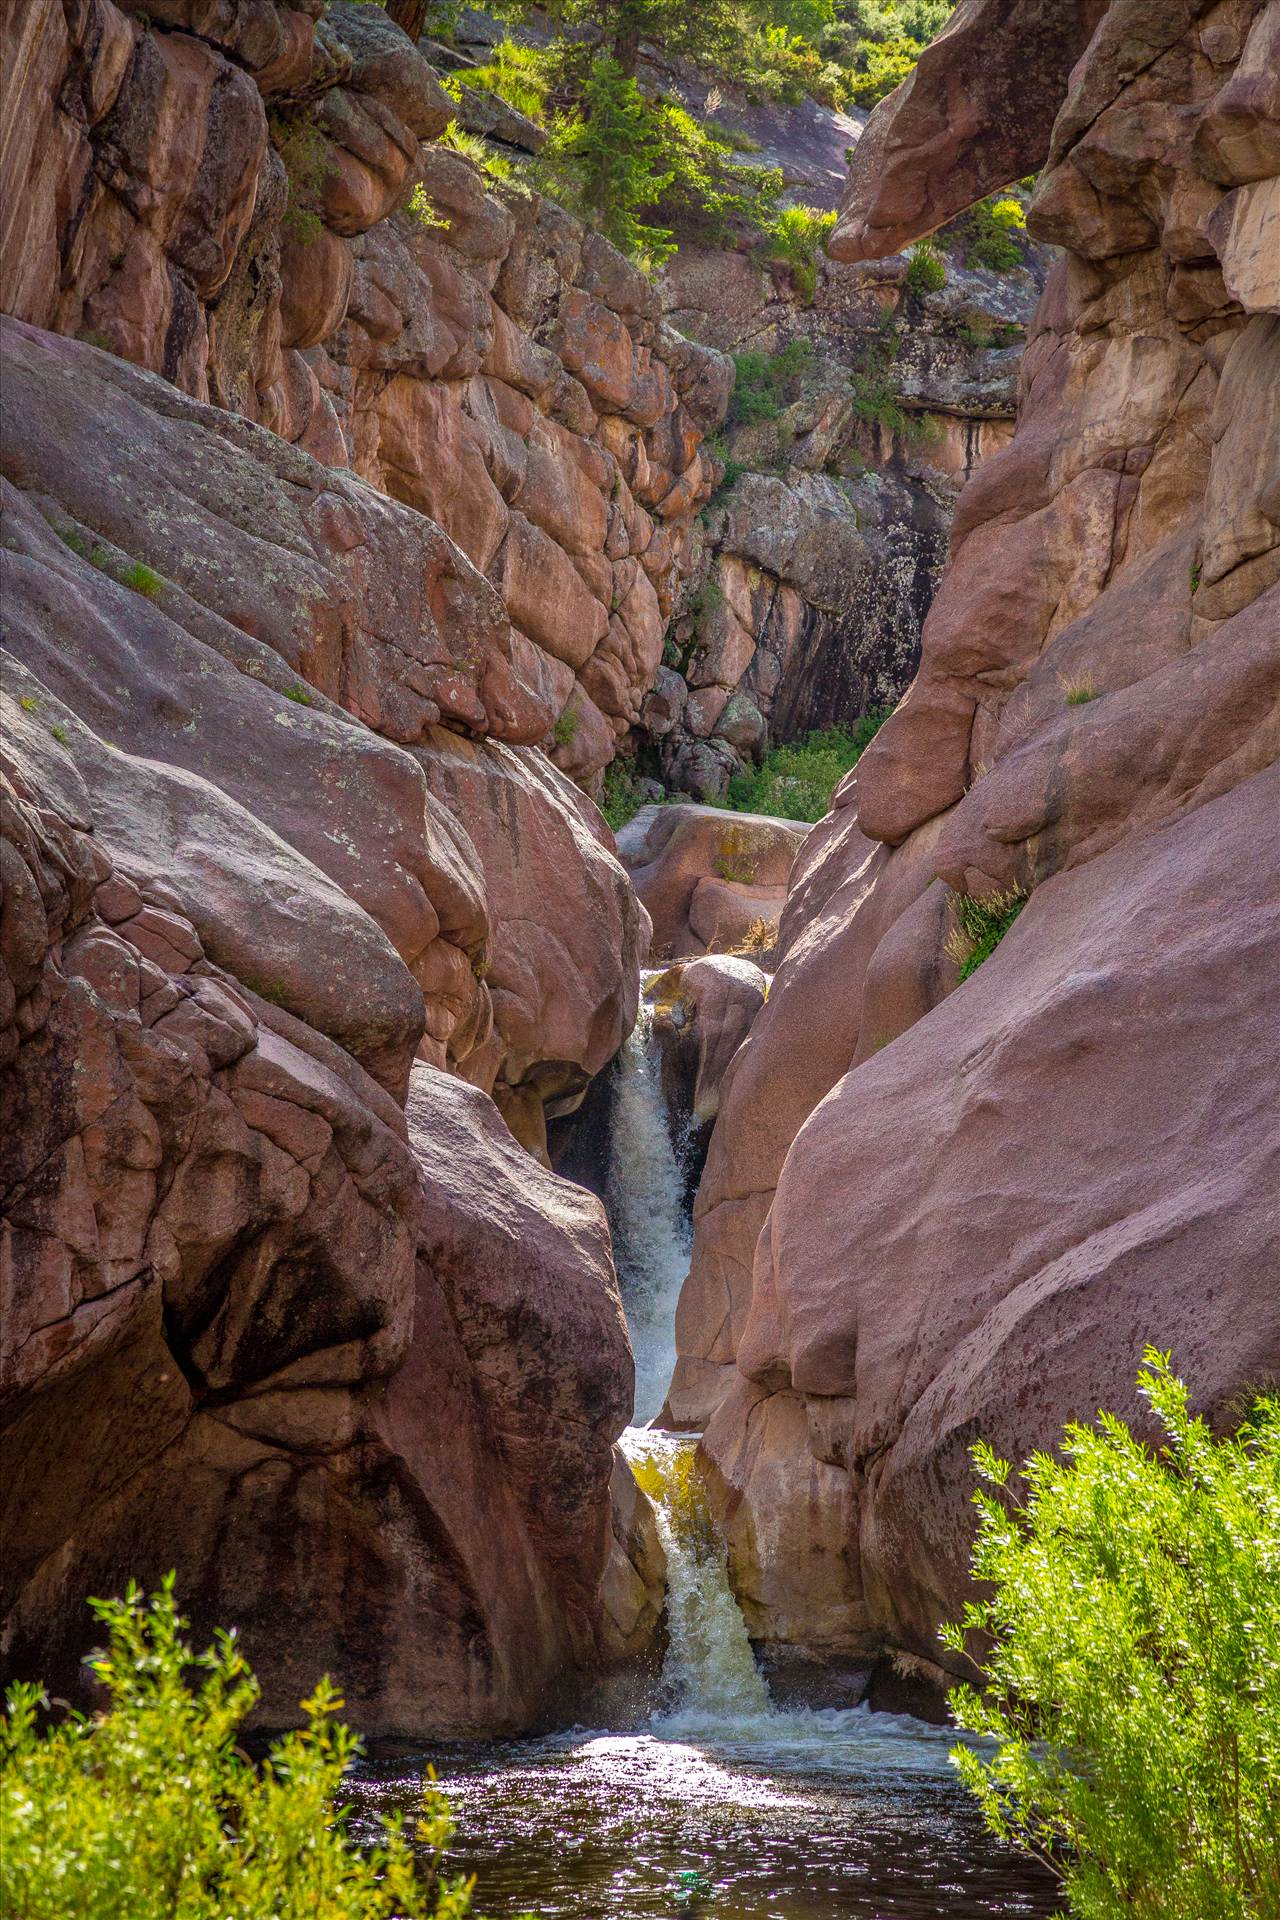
(814,565)
(935,1210)
(254,206)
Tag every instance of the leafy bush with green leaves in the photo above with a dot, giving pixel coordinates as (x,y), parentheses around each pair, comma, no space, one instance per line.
(764,383)
(621,796)
(989,231)
(920,20)
(880,67)
(796,237)
(1131,1661)
(773,63)
(981,925)
(494,165)
(605,161)
(875,396)
(797,781)
(709,196)
(150,1810)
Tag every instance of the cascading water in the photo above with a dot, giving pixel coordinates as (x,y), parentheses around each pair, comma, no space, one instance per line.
(722,1804)
(710,1681)
(645,1202)
(710,1677)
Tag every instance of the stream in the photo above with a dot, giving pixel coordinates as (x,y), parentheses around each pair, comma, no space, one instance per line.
(718,1804)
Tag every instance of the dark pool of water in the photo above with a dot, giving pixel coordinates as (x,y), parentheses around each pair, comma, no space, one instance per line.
(842,1816)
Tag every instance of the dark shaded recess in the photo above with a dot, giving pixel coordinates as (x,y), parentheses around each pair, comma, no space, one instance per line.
(578,1142)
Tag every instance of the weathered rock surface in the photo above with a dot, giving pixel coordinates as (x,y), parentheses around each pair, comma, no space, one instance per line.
(220,197)
(354,1373)
(814,565)
(934,1211)
(705,876)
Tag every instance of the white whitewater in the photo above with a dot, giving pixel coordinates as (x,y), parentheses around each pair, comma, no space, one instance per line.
(710,1681)
(652,1236)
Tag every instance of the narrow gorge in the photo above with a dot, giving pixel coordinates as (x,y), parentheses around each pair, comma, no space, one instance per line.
(641,890)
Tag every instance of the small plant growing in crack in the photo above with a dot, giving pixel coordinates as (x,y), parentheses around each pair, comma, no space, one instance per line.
(981,925)
(566,726)
(1078,690)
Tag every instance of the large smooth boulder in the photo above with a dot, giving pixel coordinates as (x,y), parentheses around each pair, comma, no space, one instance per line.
(702,1013)
(705,875)
(1086,1176)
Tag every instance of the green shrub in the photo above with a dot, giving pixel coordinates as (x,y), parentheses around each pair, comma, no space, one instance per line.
(981,925)
(773,63)
(796,237)
(1079,690)
(708,197)
(494,165)
(421,208)
(876,399)
(307,165)
(925,270)
(140,578)
(920,20)
(150,1810)
(605,161)
(621,797)
(797,781)
(517,74)
(566,726)
(989,230)
(879,67)
(1132,1662)
(766,382)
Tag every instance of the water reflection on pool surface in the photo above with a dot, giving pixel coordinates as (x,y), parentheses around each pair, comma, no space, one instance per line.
(812,1816)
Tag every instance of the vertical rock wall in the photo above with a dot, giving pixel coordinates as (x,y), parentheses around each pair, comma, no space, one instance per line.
(308,544)
(937,1209)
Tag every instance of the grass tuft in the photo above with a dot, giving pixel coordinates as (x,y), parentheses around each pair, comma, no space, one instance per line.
(980,926)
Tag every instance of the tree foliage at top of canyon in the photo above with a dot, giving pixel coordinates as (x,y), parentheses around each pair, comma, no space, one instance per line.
(628,156)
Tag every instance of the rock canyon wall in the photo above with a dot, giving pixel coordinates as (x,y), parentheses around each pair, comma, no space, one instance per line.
(313,538)
(937,1209)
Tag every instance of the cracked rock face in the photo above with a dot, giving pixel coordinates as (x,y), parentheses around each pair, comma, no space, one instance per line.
(935,1210)
(252,203)
(260,1236)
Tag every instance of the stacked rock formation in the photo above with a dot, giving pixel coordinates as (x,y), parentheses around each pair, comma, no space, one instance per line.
(936,1209)
(297,910)
(813,569)
(253,202)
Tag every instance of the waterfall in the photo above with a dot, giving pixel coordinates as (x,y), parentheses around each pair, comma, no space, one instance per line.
(710,1681)
(645,1203)
(711,1689)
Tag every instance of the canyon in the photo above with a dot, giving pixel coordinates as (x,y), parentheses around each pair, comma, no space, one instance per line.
(360,512)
